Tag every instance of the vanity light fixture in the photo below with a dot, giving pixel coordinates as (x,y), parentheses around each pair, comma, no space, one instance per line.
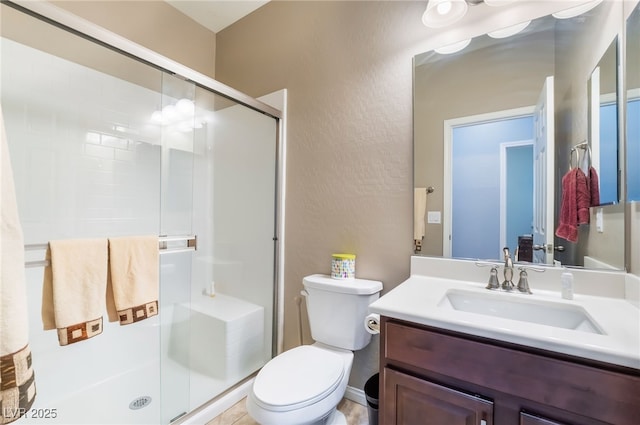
(440,13)
(509,31)
(576,10)
(497,2)
(453,48)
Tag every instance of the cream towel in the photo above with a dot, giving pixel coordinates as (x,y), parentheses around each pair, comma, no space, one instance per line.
(419,209)
(134,278)
(17,386)
(74,287)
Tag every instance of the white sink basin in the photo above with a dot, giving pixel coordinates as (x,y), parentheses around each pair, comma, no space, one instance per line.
(518,307)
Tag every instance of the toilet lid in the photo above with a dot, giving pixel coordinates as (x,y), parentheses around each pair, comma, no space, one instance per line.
(297,378)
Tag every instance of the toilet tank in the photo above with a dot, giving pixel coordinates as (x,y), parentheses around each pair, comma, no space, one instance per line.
(337,309)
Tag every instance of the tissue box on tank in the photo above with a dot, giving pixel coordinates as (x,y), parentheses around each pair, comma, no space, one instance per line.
(226,337)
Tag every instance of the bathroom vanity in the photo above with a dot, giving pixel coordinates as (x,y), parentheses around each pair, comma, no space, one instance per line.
(454,378)
(445,359)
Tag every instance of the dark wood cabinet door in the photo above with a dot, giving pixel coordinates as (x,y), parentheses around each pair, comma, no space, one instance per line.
(527,419)
(409,401)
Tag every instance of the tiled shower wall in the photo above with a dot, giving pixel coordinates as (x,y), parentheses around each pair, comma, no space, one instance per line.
(87,162)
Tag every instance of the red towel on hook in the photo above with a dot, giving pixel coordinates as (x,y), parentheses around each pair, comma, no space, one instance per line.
(568,220)
(574,208)
(594,187)
(583,197)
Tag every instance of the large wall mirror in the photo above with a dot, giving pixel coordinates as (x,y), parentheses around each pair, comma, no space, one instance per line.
(498,125)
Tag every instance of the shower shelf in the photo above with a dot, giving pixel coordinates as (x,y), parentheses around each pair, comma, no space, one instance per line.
(166,245)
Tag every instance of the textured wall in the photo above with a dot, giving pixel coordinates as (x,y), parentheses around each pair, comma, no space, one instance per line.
(155,25)
(347,68)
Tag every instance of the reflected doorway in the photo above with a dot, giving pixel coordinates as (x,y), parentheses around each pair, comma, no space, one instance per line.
(491,179)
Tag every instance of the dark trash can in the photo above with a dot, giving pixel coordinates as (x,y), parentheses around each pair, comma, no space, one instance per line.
(371,392)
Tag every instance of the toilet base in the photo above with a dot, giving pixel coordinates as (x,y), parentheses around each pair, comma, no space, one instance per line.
(336,418)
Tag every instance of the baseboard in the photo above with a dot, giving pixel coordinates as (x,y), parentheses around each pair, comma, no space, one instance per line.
(356,395)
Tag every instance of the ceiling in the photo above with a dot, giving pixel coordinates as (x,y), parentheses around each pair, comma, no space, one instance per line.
(216,14)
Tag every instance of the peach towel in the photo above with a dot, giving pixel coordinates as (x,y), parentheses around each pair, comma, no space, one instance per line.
(134,278)
(74,287)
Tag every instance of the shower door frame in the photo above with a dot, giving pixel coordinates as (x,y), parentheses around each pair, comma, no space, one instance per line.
(74,24)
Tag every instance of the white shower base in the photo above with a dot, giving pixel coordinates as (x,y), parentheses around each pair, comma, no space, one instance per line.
(208,348)
(106,402)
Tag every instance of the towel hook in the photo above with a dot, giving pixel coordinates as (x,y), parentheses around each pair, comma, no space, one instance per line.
(588,153)
(574,150)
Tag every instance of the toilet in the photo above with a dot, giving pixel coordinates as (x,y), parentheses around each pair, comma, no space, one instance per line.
(304,385)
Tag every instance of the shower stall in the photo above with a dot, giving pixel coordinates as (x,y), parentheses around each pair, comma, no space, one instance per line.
(107,141)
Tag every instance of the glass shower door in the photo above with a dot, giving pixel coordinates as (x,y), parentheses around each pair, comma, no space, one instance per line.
(175,117)
(218,183)
(233,289)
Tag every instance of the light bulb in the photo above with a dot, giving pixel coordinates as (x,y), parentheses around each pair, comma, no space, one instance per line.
(156,117)
(444,7)
(509,31)
(453,48)
(185,107)
(440,13)
(576,10)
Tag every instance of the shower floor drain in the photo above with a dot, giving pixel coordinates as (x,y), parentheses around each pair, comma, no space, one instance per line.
(140,402)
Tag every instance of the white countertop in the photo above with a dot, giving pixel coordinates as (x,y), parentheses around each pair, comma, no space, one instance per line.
(416,300)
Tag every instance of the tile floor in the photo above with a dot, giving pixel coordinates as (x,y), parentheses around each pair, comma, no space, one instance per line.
(237,414)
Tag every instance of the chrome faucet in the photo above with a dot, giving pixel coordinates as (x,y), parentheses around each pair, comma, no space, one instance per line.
(508,272)
(507,283)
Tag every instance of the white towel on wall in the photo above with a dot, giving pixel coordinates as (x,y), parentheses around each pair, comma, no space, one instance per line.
(18,389)
(419,210)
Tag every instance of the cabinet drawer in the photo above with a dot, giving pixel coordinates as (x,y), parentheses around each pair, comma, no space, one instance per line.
(410,401)
(601,394)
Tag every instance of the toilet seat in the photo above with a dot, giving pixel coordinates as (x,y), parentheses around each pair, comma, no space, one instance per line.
(297,378)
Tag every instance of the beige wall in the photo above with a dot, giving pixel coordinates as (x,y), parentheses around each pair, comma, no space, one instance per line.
(154,25)
(606,246)
(347,68)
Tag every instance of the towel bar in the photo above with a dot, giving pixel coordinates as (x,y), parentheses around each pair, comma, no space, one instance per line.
(166,245)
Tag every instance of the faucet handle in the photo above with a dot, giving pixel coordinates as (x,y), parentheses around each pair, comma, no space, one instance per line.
(523,282)
(493,278)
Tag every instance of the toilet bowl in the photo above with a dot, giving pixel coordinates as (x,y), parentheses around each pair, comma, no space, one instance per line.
(305,384)
(301,386)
